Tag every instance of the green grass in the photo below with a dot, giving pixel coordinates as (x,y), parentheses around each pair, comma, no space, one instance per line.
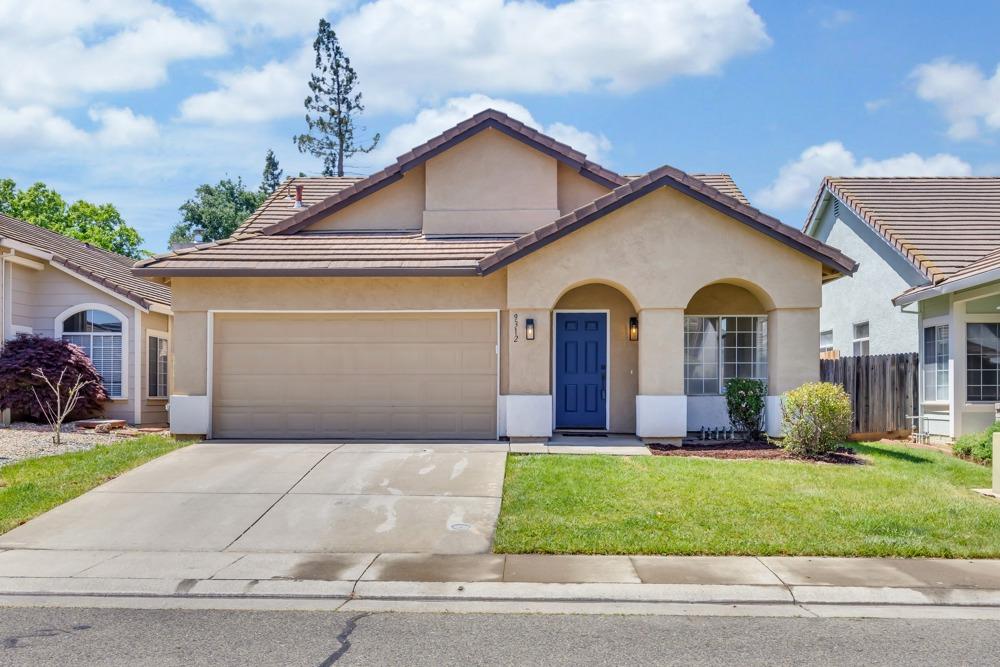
(907,502)
(32,487)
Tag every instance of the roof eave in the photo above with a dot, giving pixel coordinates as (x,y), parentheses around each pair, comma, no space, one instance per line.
(205,272)
(947,287)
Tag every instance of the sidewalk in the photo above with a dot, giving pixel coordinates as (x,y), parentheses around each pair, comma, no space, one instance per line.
(500,578)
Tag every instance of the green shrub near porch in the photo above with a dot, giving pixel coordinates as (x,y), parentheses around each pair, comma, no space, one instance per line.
(977,446)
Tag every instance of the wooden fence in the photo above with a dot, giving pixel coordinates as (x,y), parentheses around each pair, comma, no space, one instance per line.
(884,389)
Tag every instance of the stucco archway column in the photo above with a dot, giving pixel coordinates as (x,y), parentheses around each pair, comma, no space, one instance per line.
(661,406)
(525,402)
(792,356)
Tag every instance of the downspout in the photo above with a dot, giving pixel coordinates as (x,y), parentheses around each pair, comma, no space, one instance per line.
(4,326)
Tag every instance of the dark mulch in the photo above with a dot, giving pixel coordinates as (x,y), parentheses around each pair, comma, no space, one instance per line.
(746,449)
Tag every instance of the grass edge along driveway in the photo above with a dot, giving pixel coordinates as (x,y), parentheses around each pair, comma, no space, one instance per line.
(907,502)
(34,486)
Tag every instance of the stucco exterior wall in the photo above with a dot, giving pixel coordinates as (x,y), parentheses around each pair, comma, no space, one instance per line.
(867,296)
(575,190)
(490,183)
(396,206)
(39,297)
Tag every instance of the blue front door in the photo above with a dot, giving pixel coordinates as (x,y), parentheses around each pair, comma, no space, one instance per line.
(581,370)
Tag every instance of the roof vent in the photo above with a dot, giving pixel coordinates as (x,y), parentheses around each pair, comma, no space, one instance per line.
(298,196)
(836,207)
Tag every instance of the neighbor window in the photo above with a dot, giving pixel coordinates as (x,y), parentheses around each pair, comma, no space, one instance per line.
(861,339)
(100,335)
(826,341)
(719,348)
(983,361)
(936,363)
(157,367)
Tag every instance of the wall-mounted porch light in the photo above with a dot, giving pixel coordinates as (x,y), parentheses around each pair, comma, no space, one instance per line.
(633,328)
(529,329)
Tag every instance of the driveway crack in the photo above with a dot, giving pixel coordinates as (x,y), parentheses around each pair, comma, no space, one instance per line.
(344,638)
(279,499)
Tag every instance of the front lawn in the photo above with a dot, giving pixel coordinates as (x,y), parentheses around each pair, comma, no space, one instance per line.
(32,487)
(906,502)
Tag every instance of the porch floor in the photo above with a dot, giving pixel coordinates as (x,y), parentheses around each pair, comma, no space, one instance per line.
(613,444)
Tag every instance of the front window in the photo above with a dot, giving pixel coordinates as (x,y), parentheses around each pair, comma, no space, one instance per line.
(157,367)
(826,341)
(861,339)
(719,348)
(100,335)
(936,363)
(983,362)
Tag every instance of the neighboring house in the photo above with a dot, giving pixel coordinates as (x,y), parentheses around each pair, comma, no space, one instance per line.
(63,288)
(489,283)
(928,281)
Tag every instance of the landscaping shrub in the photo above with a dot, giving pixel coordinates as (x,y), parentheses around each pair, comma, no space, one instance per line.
(24,355)
(977,446)
(745,402)
(816,417)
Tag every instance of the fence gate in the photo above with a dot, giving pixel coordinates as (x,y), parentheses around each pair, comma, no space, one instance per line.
(884,389)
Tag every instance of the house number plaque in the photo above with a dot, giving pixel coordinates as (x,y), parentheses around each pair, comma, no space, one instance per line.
(516,333)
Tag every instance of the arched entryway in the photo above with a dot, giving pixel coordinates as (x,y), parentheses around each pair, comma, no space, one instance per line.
(725,336)
(595,358)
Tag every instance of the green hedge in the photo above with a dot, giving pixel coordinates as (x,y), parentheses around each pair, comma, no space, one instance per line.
(977,446)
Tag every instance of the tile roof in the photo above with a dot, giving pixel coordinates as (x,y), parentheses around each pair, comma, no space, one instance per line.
(109,269)
(330,253)
(942,225)
(725,184)
(831,258)
(387,253)
(281,204)
(488,119)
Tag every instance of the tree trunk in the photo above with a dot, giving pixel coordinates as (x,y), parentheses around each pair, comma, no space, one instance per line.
(340,158)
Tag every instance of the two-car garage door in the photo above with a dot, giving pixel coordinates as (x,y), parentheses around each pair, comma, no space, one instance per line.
(414,375)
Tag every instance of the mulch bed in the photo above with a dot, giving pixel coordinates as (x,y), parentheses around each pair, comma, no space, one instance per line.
(744,449)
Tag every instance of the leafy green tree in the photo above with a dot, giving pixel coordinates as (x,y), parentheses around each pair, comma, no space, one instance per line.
(100,225)
(216,211)
(272,174)
(333,106)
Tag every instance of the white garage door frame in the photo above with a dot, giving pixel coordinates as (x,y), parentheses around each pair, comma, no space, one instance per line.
(210,330)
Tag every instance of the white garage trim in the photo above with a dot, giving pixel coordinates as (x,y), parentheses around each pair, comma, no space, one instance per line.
(210,331)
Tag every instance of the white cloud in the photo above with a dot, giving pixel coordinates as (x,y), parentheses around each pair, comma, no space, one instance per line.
(871,106)
(969,101)
(798,180)
(56,53)
(412,52)
(40,129)
(838,18)
(432,121)
(290,17)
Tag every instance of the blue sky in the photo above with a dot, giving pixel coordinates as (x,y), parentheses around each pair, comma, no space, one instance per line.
(136,102)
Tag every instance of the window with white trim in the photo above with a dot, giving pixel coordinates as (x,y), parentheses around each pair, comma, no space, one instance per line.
(982,356)
(936,363)
(719,348)
(861,339)
(826,341)
(156,367)
(100,335)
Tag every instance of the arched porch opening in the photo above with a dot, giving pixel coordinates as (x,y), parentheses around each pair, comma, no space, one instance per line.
(725,336)
(590,374)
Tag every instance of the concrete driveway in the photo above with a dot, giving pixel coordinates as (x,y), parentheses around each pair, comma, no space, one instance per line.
(440,498)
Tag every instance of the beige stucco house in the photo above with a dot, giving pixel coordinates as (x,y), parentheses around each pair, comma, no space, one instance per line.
(59,287)
(492,282)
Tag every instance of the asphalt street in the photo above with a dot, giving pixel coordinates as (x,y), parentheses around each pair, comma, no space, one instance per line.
(81,636)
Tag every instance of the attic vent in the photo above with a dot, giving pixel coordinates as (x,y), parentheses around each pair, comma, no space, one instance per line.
(836,208)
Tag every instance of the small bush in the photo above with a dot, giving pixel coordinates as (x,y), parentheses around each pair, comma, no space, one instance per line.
(24,355)
(745,402)
(816,417)
(977,446)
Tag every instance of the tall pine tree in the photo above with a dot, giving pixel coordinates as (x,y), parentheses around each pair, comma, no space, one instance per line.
(333,106)
(272,174)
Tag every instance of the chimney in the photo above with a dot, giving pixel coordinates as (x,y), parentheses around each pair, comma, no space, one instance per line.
(298,196)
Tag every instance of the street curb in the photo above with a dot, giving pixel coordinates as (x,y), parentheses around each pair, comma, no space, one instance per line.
(498,592)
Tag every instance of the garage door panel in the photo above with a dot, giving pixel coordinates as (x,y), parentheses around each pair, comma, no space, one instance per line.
(316,376)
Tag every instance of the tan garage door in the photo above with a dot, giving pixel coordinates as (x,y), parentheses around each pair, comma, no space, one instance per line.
(355,376)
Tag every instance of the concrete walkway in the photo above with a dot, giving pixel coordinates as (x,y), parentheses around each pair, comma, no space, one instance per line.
(495,577)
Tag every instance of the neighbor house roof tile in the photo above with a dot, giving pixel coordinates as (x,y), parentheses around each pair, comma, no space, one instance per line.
(108,269)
